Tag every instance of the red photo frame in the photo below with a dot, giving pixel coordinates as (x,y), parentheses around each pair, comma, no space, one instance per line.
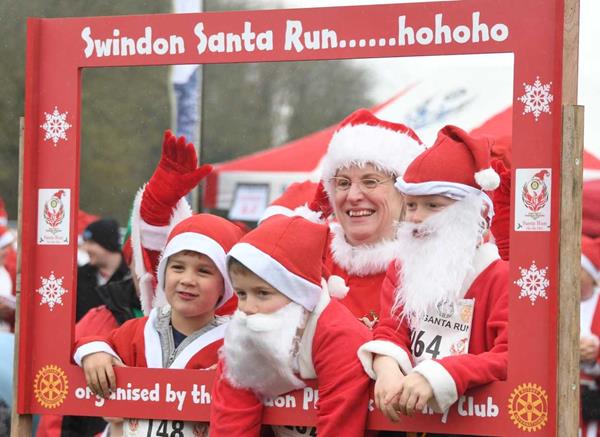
(57,50)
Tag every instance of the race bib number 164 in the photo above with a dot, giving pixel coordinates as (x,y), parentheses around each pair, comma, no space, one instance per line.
(443,332)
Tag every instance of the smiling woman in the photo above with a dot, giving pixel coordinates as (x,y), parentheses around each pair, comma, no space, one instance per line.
(364,157)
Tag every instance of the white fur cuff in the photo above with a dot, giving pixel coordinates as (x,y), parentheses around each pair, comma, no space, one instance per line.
(444,387)
(92,348)
(381,347)
(153,237)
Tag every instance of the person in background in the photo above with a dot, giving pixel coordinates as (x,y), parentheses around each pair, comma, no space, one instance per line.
(589,337)
(102,243)
(83,220)
(8,279)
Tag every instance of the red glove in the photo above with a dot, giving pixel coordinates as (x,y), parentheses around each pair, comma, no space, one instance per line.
(501,222)
(320,202)
(176,174)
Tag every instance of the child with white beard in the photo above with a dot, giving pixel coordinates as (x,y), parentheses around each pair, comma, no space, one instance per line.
(182,331)
(286,329)
(445,328)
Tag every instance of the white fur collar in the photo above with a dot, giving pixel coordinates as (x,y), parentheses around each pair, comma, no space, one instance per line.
(305,358)
(486,254)
(363,260)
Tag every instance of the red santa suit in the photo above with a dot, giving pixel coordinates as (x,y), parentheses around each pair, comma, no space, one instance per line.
(487,358)
(327,354)
(137,344)
(363,268)
(8,277)
(285,252)
(589,321)
(590,371)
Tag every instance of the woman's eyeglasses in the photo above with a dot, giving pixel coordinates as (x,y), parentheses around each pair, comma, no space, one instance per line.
(366,184)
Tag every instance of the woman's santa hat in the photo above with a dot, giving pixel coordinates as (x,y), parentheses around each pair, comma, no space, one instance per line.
(203,233)
(287,252)
(362,138)
(296,195)
(590,256)
(455,166)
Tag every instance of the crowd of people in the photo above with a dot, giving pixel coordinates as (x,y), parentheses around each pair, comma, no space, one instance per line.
(334,284)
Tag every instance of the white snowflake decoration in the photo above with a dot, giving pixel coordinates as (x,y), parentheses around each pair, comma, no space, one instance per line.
(537,98)
(51,290)
(55,126)
(533,283)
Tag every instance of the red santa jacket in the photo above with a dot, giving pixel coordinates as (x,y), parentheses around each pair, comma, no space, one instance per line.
(451,376)
(332,337)
(590,371)
(363,268)
(137,344)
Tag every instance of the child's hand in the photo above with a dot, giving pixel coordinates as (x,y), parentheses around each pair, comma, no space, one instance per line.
(99,373)
(388,386)
(416,391)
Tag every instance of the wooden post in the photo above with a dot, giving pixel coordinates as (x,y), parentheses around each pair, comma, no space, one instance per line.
(569,271)
(571,183)
(20,423)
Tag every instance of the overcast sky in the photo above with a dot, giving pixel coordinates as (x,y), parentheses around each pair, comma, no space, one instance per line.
(589,59)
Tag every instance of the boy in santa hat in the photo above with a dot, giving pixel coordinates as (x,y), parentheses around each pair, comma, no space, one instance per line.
(589,343)
(181,330)
(286,328)
(444,301)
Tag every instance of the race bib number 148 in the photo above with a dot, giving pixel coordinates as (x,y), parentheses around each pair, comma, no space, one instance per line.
(163,428)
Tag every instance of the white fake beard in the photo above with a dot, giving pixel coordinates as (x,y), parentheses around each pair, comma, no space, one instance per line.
(260,350)
(436,256)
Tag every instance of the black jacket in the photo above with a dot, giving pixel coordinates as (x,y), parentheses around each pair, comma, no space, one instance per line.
(87,284)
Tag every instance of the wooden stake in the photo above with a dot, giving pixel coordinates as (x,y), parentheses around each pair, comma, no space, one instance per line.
(20,423)
(571,184)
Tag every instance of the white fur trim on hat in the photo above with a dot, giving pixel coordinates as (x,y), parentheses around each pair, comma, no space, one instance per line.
(442,383)
(487,179)
(310,215)
(453,190)
(6,238)
(589,267)
(336,286)
(198,243)
(360,144)
(272,271)
(275,210)
(364,259)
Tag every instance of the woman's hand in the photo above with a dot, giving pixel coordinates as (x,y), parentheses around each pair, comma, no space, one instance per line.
(99,373)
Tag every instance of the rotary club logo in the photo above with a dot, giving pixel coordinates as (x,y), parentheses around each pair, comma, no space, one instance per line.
(528,407)
(535,193)
(50,386)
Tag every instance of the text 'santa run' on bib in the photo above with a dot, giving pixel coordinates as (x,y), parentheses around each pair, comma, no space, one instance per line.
(444,331)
